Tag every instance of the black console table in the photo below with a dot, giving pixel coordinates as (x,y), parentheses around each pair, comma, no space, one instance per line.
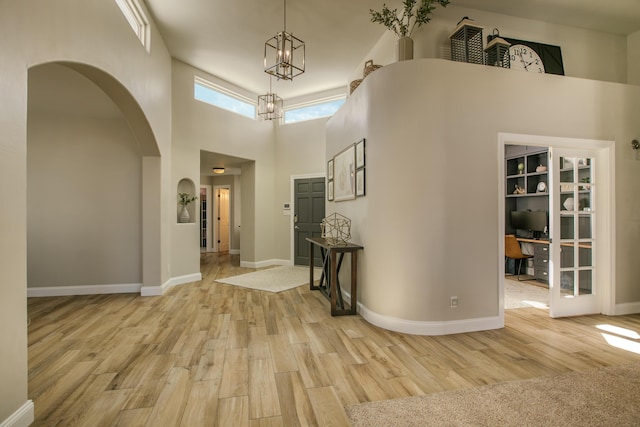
(329,282)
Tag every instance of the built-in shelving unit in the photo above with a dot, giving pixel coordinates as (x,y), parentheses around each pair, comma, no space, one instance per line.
(527,177)
(203,218)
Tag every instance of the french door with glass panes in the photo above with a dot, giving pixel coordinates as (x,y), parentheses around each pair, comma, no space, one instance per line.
(573,286)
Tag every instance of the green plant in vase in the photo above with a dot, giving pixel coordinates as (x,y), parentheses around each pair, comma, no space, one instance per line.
(414,14)
(184,199)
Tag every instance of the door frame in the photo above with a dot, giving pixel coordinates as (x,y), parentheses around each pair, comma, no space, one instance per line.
(293,208)
(214,238)
(605,227)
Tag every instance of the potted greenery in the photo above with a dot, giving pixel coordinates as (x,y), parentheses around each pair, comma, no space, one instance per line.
(184,199)
(414,14)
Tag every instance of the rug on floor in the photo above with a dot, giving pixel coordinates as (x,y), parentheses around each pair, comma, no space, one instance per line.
(596,397)
(275,279)
(525,294)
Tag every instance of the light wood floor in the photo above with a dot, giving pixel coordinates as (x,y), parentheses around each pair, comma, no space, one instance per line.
(209,354)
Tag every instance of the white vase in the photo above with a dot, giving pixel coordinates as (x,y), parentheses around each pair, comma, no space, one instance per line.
(405,48)
(184,214)
(568,204)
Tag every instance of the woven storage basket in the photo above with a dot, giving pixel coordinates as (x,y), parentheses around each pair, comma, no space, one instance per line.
(369,68)
(354,85)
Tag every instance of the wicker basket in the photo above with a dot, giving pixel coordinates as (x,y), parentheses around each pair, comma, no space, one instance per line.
(369,68)
(354,85)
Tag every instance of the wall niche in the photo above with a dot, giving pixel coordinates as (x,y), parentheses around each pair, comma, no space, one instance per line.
(186,213)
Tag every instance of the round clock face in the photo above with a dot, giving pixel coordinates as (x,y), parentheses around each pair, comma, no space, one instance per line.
(542,187)
(526,59)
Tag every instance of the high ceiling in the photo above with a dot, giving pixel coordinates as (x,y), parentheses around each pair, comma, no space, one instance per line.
(226,37)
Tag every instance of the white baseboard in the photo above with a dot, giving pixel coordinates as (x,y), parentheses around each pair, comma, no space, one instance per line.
(58,291)
(234,251)
(23,417)
(267,263)
(151,291)
(426,328)
(627,308)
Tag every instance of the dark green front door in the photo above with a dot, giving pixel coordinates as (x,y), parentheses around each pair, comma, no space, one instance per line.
(308,213)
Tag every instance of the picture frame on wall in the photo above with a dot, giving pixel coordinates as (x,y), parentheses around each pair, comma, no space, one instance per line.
(344,174)
(330,170)
(360,182)
(330,191)
(360,154)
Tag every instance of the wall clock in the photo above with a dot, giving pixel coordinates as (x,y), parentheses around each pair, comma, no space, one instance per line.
(535,57)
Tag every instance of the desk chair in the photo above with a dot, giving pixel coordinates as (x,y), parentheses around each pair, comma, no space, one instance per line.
(512,250)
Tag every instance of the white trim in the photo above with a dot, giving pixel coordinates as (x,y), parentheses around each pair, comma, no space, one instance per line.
(151,291)
(59,291)
(293,207)
(234,251)
(265,263)
(223,90)
(626,308)
(414,327)
(317,101)
(23,417)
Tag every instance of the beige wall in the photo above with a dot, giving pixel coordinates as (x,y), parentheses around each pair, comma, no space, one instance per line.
(586,54)
(633,58)
(90,32)
(440,136)
(199,126)
(84,185)
(299,151)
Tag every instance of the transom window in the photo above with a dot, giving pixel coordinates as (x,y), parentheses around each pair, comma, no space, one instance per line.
(136,17)
(220,97)
(312,111)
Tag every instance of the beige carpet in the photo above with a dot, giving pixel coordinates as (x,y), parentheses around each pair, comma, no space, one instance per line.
(598,397)
(276,279)
(525,294)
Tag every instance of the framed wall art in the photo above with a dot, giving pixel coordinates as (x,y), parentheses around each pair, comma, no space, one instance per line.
(330,191)
(360,182)
(344,174)
(330,170)
(360,154)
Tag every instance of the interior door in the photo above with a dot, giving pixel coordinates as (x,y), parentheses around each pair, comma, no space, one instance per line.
(308,213)
(222,219)
(573,287)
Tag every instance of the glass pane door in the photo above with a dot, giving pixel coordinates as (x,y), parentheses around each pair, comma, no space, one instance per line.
(573,288)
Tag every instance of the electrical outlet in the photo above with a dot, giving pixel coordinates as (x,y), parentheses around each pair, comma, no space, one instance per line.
(454,302)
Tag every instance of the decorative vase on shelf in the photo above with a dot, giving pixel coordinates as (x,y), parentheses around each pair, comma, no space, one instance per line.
(184,214)
(568,204)
(405,48)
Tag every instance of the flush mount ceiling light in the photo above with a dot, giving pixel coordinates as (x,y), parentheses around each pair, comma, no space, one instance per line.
(270,105)
(284,54)
(218,170)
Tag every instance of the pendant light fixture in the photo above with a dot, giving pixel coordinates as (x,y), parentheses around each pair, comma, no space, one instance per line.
(284,54)
(270,105)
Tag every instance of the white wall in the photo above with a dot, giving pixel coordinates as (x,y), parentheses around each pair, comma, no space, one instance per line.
(91,32)
(429,221)
(586,54)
